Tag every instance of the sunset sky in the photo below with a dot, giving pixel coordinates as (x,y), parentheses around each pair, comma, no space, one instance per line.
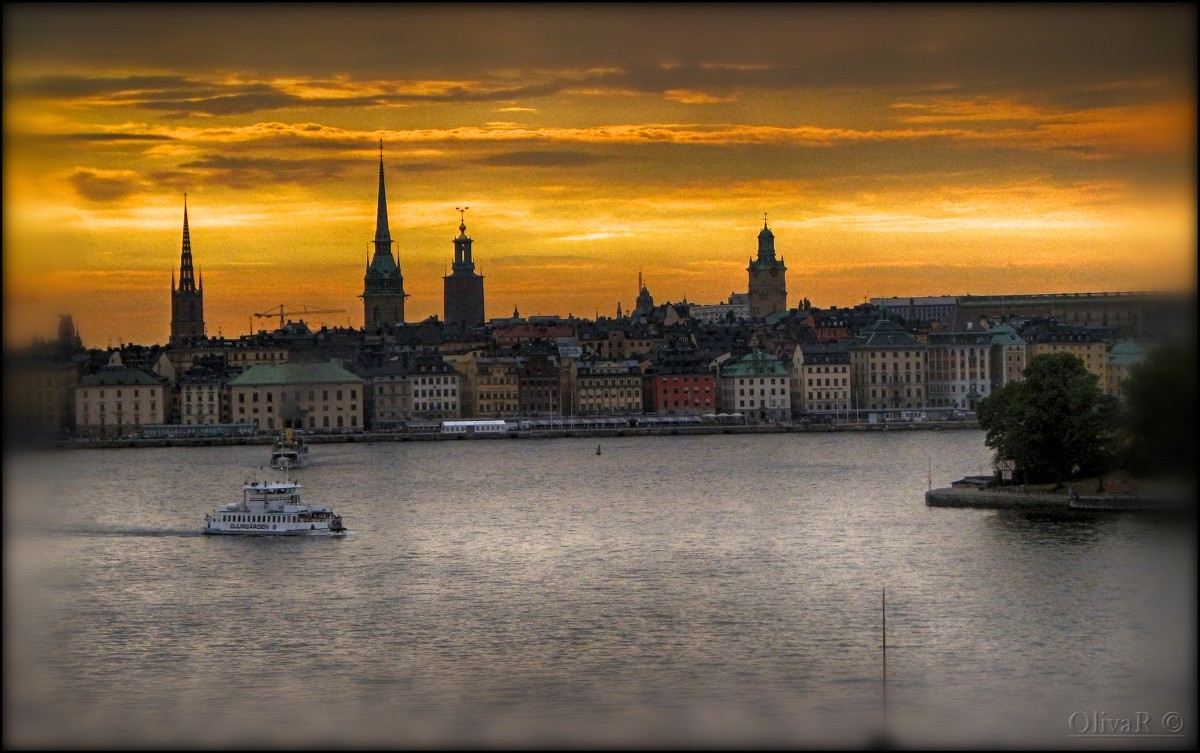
(897,150)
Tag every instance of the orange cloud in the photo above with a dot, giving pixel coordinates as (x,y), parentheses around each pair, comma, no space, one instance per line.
(689,97)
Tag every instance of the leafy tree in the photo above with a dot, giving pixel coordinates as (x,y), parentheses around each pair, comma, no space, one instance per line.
(1159,422)
(1055,423)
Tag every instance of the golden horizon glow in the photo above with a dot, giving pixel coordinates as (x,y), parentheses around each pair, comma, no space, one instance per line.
(1001,154)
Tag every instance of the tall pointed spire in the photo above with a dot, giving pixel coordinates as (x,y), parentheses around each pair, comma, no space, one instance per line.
(187,299)
(186,277)
(383,237)
(383,285)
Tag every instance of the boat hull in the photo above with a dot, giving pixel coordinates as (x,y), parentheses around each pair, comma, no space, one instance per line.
(271,529)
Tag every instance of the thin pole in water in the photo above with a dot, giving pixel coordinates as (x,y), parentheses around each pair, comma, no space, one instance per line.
(884,611)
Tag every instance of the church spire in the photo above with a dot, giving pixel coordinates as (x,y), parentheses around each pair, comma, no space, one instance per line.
(187,280)
(383,237)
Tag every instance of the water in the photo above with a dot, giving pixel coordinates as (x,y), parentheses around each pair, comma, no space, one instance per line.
(674,590)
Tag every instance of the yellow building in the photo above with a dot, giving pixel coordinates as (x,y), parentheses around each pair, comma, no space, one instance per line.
(606,387)
(118,400)
(888,368)
(318,397)
(820,378)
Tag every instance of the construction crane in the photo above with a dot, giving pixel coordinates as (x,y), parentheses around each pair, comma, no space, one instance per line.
(280,312)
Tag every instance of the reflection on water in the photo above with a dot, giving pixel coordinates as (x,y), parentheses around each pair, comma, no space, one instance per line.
(703,590)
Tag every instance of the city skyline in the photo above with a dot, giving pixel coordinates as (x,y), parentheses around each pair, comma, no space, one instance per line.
(897,152)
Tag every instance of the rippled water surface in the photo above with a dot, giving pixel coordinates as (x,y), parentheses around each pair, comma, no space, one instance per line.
(673,590)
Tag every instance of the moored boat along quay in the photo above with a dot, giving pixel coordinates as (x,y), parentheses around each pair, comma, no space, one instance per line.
(1174,502)
(434,436)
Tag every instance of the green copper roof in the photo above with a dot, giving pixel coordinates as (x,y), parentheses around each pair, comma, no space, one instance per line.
(756,364)
(120,375)
(885,334)
(293,373)
(1126,353)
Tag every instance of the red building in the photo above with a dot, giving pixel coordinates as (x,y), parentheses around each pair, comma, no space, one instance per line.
(679,388)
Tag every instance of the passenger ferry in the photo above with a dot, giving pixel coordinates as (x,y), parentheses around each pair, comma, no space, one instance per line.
(273,508)
(290,451)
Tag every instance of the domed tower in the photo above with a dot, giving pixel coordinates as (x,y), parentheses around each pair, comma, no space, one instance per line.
(463,288)
(768,284)
(383,285)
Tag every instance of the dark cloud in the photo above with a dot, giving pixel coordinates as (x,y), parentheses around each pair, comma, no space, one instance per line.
(92,137)
(990,47)
(549,158)
(248,172)
(98,186)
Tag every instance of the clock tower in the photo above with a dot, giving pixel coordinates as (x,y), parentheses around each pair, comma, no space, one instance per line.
(768,277)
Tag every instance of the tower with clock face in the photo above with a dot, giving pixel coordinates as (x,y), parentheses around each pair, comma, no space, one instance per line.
(768,278)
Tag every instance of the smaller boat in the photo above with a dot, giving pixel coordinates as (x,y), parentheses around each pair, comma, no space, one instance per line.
(290,450)
(273,508)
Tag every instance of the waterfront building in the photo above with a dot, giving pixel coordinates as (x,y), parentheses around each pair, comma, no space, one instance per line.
(539,384)
(312,396)
(490,384)
(383,285)
(757,386)
(602,387)
(679,383)
(463,288)
(187,300)
(820,377)
(204,394)
(768,278)
(118,400)
(888,368)
(960,368)
(412,386)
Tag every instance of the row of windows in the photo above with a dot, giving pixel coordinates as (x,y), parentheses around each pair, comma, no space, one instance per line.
(137,407)
(761,391)
(296,396)
(275,518)
(663,391)
(755,404)
(136,393)
(271,408)
(908,392)
(593,393)
(883,378)
(817,382)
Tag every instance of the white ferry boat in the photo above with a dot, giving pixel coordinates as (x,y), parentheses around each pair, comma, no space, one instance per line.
(273,508)
(290,451)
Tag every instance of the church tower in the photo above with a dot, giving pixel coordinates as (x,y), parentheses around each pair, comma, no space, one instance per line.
(187,300)
(383,286)
(768,286)
(463,291)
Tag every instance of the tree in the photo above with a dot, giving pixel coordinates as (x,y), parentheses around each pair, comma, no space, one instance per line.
(1054,423)
(1159,424)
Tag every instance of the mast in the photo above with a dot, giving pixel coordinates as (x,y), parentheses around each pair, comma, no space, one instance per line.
(883,610)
